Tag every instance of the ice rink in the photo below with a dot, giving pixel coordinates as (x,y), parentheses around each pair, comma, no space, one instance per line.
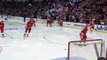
(43,43)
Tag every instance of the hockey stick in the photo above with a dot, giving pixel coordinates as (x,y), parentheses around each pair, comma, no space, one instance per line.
(8,35)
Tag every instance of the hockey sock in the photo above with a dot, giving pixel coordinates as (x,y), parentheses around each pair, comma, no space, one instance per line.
(24,34)
(27,34)
(2,35)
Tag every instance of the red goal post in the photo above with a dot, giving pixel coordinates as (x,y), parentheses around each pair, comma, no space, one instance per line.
(93,42)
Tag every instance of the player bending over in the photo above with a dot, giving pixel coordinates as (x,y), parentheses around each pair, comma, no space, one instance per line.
(2,28)
(83,33)
(28,28)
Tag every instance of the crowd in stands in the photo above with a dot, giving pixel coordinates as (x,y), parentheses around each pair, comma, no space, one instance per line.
(16,8)
(80,11)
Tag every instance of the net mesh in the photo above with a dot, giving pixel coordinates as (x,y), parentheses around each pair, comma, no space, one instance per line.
(91,50)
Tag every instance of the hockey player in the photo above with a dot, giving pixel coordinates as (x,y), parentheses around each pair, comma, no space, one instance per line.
(83,33)
(48,22)
(2,28)
(91,24)
(60,22)
(28,28)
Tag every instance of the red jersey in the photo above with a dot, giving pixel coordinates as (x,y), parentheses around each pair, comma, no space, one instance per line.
(48,20)
(33,21)
(29,24)
(85,29)
(1,24)
(58,20)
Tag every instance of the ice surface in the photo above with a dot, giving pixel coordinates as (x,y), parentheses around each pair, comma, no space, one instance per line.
(43,43)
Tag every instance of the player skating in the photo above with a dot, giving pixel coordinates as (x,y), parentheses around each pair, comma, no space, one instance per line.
(28,27)
(83,33)
(2,28)
(91,24)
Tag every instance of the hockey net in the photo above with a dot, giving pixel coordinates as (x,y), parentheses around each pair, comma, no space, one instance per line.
(93,49)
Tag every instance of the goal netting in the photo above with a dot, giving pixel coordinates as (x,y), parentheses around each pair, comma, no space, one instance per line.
(93,49)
